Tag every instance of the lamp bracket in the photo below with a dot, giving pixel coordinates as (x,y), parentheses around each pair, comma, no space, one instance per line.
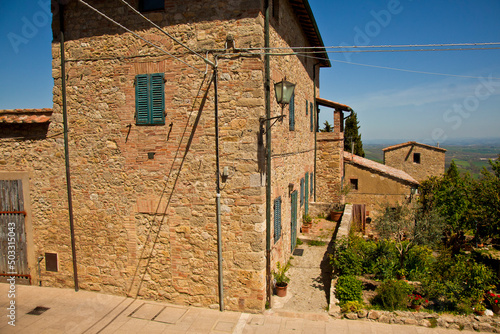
(263,119)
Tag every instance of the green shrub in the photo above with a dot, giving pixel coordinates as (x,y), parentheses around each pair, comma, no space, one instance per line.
(418,262)
(455,281)
(347,260)
(348,288)
(393,295)
(352,306)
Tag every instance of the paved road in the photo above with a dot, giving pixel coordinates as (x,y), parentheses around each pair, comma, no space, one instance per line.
(89,312)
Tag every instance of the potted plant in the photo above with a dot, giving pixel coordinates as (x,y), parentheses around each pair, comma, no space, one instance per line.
(336,212)
(494,301)
(281,279)
(416,301)
(479,309)
(306,223)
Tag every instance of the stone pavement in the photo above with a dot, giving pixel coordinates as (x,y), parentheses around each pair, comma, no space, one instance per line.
(89,312)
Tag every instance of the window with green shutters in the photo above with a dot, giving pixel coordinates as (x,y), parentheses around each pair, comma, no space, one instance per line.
(291,116)
(312,117)
(150,99)
(277,219)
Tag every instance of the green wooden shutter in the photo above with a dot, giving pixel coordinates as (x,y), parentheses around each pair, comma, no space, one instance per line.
(312,117)
(301,191)
(293,222)
(157,93)
(150,99)
(312,180)
(306,194)
(141,99)
(291,108)
(277,219)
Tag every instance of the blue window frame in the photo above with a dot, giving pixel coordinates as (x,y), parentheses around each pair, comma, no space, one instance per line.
(277,219)
(291,116)
(150,99)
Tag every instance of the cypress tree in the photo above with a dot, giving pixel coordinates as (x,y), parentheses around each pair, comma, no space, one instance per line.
(352,135)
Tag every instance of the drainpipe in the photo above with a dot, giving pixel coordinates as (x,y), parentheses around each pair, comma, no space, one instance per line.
(316,127)
(66,146)
(267,90)
(219,230)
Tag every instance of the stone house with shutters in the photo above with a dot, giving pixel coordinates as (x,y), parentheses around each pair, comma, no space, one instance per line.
(142,149)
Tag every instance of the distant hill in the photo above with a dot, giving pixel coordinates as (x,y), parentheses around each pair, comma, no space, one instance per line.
(470,155)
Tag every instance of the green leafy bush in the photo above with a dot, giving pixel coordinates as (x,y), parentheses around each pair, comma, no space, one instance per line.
(393,295)
(348,288)
(418,262)
(352,306)
(347,259)
(455,281)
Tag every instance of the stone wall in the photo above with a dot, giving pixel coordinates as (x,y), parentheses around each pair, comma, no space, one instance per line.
(330,166)
(431,160)
(144,196)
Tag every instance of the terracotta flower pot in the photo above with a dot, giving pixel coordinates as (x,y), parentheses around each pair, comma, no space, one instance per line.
(336,215)
(416,307)
(480,313)
(281,290)
(495,308)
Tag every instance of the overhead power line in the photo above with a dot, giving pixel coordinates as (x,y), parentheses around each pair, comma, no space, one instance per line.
(166,33)
(377,46)
(136,35)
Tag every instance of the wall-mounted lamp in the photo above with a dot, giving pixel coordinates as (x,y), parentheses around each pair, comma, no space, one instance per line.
(284,91)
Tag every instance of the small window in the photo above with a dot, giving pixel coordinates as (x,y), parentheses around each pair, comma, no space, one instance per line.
(150,99)
(277,219)
(354,184)
(150,5)
(416,158)
(51,262)
(291,109)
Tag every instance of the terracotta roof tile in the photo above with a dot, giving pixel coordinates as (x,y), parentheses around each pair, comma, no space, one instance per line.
(413,143)
(378,167)
(25,116)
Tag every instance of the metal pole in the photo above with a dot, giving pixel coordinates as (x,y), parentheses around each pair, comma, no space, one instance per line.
(219,230)
(66,146)
(267,90)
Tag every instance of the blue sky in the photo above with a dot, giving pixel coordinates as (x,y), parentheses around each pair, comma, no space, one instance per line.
(411,106)
(390,104)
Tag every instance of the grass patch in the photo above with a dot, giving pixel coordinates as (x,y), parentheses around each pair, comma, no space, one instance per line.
(299,242)
(317,243)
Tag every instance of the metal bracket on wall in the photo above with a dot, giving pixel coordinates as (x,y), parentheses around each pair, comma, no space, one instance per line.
(262,120)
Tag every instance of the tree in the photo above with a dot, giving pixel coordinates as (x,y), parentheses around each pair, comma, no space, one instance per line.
(352,135)
(486,202)
(328,127)
(408,226)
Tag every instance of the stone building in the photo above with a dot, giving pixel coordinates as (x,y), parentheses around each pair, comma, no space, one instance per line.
(419,160)
(142,149)
(374,185)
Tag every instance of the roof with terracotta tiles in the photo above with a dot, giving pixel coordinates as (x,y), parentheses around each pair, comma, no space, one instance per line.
(380,168)
(413,143)
(25,116)
(332,104)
